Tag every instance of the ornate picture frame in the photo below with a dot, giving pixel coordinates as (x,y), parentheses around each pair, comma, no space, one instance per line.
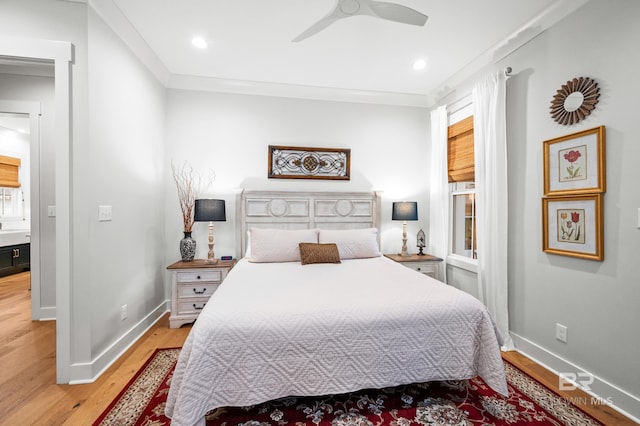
(293,162)
(575,163)
(573,226)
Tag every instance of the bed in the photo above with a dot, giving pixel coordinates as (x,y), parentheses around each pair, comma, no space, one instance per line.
(278,327)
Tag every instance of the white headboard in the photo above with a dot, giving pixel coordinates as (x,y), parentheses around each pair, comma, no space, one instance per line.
(305,210)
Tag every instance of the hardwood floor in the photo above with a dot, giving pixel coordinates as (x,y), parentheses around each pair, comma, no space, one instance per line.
(29,395)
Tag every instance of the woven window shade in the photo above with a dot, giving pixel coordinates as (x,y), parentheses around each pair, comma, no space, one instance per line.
(9,168)
(460,159)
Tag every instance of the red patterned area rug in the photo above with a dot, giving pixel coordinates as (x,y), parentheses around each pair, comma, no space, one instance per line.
(469,402)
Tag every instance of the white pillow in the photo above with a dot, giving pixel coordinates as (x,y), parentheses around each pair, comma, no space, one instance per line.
(279,245)
(352,243)
(247,253)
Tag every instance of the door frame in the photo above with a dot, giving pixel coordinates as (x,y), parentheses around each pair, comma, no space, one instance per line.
(61,53)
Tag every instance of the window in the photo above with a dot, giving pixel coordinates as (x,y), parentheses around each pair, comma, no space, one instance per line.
(461,170)
(463,212)
(11,202)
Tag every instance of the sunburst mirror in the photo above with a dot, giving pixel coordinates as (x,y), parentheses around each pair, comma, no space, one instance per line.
(575,100)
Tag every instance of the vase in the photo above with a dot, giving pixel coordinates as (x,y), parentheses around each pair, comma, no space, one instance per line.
(187,247)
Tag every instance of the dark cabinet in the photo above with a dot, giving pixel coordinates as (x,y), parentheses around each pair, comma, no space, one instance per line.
(14,259)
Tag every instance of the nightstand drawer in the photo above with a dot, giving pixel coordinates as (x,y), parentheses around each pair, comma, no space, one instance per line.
(197,289)
(195,276)
(191,306)
(424,264)
(428,268)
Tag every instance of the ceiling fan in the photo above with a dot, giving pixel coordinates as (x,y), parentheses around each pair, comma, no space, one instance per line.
(377,9)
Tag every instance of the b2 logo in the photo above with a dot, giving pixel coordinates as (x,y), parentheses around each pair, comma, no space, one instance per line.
(582,380)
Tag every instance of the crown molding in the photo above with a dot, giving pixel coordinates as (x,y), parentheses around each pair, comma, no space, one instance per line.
(210,84)
(118,22)
(114,17)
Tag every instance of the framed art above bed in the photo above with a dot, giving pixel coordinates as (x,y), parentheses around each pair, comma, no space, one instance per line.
(295,162)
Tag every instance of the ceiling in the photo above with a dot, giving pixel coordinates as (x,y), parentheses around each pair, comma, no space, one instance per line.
(360,58)
(250,42)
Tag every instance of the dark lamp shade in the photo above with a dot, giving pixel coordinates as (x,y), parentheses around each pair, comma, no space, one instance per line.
(405,210)
(210,211)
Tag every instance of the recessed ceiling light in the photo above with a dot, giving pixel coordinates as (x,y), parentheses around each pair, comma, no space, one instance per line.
(419,64)
(199,42)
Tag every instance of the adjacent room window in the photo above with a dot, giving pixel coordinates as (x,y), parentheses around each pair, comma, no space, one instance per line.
(10,202)
(461,170)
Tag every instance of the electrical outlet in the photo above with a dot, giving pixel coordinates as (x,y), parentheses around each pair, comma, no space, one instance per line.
(561,333)
(123,312)
(51,211)
(105,213)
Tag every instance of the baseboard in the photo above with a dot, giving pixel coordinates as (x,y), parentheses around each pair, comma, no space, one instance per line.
(602,391)
(88,372)
(47,314)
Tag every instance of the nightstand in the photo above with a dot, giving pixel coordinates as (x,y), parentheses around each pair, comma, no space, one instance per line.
(192,284)
(425,264)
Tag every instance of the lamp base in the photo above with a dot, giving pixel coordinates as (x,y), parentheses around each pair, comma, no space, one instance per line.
(210,256)
(404,251)
(420,253)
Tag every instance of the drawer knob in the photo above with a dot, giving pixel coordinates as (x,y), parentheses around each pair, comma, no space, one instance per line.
(198,277)
(199,292)
(198,308)
(419,268)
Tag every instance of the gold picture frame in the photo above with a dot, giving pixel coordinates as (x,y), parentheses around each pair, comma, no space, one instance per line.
(294,162)
(575,163)
(574,226)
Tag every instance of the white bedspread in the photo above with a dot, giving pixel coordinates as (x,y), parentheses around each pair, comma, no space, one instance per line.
(275,330)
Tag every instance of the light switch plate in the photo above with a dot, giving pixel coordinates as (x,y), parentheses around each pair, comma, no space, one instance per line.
(51,211)
(105,213)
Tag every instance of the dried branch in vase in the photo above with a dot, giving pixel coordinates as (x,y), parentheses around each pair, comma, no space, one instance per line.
(188,182)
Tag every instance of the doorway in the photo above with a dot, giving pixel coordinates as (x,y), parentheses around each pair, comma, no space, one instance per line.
(61,55)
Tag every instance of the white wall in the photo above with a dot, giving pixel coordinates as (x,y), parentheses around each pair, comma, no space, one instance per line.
(122,166)
(597,301)
(230,134)
(117,146)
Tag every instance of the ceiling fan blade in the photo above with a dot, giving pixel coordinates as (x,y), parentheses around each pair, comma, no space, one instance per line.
(336,14)
(316,28)
(397,13)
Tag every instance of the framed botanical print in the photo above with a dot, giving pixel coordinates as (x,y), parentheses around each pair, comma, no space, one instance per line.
(573,226)
(575,163)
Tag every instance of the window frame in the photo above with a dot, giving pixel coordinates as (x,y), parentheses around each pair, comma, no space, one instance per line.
(454,259)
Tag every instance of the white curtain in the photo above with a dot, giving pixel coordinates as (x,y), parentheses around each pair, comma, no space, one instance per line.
(439,192)
(490,147)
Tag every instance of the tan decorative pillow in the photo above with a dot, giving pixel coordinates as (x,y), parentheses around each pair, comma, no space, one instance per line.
(319,253)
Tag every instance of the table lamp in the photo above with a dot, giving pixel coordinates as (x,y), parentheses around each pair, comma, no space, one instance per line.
(404,211)
(207,210)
